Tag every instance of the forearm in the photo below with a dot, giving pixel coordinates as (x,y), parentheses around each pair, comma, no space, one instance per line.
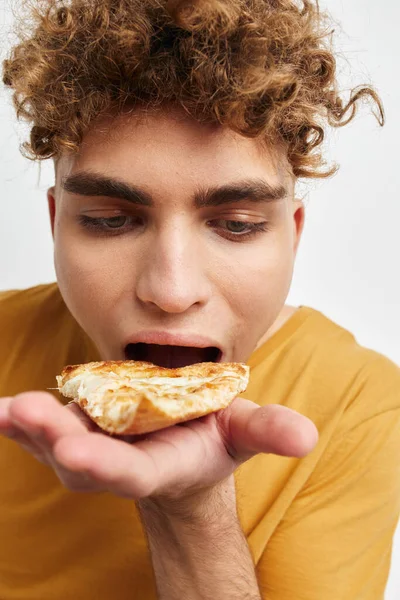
(200,558)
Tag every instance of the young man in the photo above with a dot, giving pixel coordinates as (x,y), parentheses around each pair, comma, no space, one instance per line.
(178,132)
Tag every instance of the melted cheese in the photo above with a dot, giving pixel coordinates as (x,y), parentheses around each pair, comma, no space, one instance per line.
(85,385)
(113,399)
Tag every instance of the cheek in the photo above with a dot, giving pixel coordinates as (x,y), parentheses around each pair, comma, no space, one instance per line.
(91,275)
(257,278)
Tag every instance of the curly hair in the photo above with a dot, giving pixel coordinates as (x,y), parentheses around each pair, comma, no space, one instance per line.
(263,68)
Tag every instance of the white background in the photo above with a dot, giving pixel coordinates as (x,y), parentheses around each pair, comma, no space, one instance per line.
(348,262)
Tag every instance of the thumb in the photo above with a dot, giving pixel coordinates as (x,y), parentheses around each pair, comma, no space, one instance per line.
(249,429)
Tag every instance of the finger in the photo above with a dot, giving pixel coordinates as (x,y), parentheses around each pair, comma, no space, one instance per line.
(167,462)
(124,469)
(26,444)
(42,420)
(250,429)
(40,416)
(4,413)
(83,418)
(13,433)
(78,482)
(36,432)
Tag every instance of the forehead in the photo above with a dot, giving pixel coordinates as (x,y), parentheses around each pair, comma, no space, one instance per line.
(168,148)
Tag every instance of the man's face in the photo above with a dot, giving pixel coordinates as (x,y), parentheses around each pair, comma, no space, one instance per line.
(196,254)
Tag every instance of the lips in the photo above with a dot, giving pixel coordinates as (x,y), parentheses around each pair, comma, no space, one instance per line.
(171,356)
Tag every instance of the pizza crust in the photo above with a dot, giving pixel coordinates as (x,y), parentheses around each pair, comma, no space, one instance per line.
(133,397)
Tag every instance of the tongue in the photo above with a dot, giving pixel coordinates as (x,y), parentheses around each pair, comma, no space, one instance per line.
(172,357)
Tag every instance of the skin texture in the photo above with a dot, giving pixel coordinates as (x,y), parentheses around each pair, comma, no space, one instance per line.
(174,272)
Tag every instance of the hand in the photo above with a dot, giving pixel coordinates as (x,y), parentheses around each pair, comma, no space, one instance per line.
(169,464)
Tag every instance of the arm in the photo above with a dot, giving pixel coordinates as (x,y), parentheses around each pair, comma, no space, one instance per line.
(176,474)
(200,555)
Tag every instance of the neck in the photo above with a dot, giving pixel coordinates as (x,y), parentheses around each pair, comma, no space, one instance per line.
(285,314)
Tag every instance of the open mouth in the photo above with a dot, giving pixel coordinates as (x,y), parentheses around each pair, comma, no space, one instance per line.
(172,357)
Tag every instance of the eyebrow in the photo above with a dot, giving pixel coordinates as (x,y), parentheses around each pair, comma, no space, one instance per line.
(85,183)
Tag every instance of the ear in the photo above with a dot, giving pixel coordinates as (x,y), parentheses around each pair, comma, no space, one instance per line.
(51,201)
(298,222)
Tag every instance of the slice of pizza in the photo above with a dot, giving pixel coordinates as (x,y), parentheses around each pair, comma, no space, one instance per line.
(133,397)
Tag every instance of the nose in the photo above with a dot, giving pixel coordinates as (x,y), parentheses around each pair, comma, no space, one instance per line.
(172,275)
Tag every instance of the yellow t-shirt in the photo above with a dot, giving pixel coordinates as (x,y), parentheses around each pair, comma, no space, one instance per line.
(319,528)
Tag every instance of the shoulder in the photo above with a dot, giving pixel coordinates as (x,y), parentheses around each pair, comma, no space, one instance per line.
(358,384)
(341,356)
(39,336)
(18,301)
(25,313)
(20,308)
(318,368)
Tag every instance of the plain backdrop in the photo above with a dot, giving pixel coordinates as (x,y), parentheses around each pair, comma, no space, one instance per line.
(348,261)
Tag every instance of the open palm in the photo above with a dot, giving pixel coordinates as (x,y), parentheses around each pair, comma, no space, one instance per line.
(170,463)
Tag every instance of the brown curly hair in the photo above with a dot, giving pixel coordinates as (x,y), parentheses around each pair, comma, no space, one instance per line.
(264,68)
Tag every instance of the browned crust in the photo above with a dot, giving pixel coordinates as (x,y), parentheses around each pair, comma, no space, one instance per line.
(196,400)
(146,369)
(150,418)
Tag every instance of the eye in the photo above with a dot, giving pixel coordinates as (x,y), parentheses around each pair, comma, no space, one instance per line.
(115,222)
(238,231)
(115,225)
(237,226)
